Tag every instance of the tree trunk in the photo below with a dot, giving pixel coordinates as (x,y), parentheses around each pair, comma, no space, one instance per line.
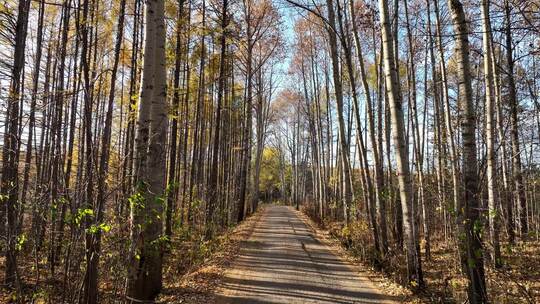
(172,182)
(145,260)
(493,195)
(446,107)
(344,151)
(514,130)
(414,268)
(246,145)
(213,181)
(468,215)
(10,152)
(93,247)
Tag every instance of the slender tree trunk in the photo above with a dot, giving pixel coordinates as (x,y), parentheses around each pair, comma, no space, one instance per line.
(246,145)
(32,118)
(213,199)
(493,195)
(56,199)
(10,153)
(93,247)
(379,175)
(84,25)
(411,80)
(414,267)
(172,181)
(344,151)
(127,165)
(468,214)
(362,153)
(514,129)
(446,106)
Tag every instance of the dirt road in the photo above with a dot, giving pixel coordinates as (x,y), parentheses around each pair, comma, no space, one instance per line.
(283,262)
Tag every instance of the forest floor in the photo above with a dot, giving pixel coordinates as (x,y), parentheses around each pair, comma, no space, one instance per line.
(279,254)
(518,281)
(191,272)
(198,283)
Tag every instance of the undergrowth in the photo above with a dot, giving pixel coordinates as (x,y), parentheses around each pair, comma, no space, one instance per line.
(518,281)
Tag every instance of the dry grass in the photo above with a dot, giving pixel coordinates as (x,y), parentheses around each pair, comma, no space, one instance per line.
(191,271)
(198,283)
(518,281)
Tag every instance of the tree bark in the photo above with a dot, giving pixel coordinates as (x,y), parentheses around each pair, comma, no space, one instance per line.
(145,260)
(519,188)
(344,151)
(10,153)
(414,267)
(468,215)
(493,195)
(172,181)
(213,180)
(93,246)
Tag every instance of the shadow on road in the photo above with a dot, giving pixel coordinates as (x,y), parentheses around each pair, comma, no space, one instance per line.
(282,262)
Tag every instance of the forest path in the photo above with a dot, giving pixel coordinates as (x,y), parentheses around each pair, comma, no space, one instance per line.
(284,262)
